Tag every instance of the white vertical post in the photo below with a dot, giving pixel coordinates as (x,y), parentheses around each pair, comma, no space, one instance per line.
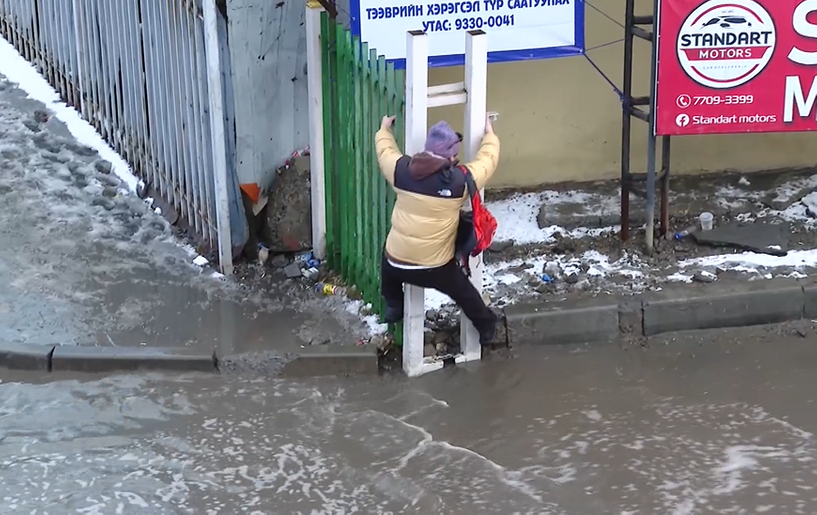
(314,80)
(476,86)
(82,107)
(416,126)
(215,89)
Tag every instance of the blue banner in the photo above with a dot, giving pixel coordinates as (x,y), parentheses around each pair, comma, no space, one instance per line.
(517,30)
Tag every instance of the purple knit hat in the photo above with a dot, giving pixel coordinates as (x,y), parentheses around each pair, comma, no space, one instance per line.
(443,141)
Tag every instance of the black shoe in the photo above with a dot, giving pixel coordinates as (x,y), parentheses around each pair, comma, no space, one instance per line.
(488,336)
(393,315)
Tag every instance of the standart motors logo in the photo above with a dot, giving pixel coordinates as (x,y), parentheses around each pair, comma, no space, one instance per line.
(725,43)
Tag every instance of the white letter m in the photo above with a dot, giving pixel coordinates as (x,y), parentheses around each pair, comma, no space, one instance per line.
(794,93)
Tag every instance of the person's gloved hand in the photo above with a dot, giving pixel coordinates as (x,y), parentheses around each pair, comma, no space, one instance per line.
(387,122)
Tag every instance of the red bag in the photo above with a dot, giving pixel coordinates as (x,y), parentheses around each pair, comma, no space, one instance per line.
(477,227)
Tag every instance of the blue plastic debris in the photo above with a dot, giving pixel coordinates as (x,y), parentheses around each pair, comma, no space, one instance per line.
(312,262)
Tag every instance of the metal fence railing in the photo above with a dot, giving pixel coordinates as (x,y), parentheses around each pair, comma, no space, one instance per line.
(137,71)
(359,88)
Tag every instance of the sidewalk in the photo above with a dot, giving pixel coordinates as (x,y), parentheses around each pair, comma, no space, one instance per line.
(570,233)
(558,259)
(89,264)
(86,265)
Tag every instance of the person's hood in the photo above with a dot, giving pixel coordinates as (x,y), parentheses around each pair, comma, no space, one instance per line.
(425,164)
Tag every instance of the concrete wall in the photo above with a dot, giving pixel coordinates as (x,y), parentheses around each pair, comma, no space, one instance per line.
(268,53)
(559,120)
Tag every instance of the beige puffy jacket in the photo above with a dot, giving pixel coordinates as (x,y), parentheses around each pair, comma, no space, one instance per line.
(423,228)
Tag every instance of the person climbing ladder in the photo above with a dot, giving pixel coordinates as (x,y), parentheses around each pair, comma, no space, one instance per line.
(431,189)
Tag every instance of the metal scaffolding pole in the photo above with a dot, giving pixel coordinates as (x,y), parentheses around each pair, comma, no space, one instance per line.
(633,107)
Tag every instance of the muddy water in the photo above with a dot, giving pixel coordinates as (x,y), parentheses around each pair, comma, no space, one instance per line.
(687,428)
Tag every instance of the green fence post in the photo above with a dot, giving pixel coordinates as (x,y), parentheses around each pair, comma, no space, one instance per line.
(380,184)
(369,168)
(343,150)
(360,147)
(394,93)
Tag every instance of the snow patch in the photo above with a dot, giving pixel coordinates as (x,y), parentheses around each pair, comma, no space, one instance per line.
(508,279)
(751,261)
(517,215)
(786,191)
(358,308)
(508,273)
(16,69)
(436,300)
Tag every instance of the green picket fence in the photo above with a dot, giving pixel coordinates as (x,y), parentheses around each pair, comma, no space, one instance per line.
(359,88)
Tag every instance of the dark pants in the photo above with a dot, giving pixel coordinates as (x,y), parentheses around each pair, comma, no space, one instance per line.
(448,279)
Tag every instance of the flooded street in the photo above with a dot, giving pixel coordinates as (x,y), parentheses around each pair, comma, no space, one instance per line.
(714,423)
(718,422)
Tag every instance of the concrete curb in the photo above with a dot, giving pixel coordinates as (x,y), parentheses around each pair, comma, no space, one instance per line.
(333,360)
(682,308)
(124,359)
(319,360)
(25,357)
(588,321)
(105,359)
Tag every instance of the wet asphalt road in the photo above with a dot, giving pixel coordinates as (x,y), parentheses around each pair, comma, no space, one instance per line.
(721,422)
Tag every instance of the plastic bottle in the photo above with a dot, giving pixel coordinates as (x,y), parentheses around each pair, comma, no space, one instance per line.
(686,232)
(329,289)
(553,269)
(263,254)
(312,262)
(310,273)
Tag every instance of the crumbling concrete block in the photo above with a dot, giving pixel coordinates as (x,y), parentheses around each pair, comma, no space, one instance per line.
(288,226)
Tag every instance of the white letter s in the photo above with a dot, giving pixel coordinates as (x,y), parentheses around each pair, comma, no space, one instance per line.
(806,29)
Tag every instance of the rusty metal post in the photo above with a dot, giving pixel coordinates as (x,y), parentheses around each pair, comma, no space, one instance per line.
(665,176)
(626,119)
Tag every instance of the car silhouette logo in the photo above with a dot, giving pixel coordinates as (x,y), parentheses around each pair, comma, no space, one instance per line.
(727,21)
(723,44)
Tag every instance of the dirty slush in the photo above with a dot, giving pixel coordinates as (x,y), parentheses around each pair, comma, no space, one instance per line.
(86,262)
